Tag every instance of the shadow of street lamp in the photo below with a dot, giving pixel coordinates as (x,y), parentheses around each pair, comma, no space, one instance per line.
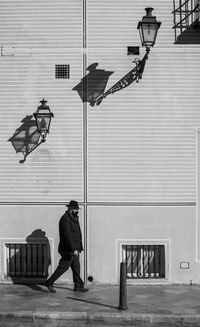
(93,84)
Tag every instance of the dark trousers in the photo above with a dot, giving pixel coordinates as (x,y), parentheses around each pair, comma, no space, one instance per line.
(66,261)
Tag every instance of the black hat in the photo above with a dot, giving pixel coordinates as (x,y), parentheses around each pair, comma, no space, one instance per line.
(73,204)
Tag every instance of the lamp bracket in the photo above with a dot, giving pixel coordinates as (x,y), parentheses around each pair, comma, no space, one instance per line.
(134,75)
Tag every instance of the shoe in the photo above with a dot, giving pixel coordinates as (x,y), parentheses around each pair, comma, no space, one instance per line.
(50,287)
(81,289)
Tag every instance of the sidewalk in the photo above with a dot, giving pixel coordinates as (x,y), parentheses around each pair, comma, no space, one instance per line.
(152,305)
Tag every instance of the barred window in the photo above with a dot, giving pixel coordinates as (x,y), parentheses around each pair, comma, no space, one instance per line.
(144,261)
(27,260)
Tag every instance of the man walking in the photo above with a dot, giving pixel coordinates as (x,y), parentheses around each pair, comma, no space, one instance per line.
(69,248)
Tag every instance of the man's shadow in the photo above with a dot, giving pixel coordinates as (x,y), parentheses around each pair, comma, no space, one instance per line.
(29,262)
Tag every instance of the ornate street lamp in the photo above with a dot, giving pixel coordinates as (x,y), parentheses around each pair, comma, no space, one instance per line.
(148,28)
(43,117)
(95,82)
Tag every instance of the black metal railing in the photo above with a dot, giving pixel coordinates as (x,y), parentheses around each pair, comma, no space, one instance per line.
(27,260)
(144,261)
(185,12)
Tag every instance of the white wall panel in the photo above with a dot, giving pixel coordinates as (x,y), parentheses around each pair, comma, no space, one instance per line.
(141,140)
(41,23)
(113,23)
(52,172)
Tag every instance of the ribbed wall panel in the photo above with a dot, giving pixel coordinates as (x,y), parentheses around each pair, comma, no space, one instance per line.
(53,172)
(41,23)
(114,23)
(141,139)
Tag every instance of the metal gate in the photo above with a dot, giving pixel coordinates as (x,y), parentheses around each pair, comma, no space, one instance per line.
(144,261)
(27,260)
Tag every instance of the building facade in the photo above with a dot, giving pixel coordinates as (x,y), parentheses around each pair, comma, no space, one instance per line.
(132,161)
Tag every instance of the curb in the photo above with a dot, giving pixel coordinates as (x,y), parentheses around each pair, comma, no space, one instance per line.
(76,319)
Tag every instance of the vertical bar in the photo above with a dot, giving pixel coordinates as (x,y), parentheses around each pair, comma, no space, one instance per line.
(85,135)
(148,261)
(123,253)
(132,270)
(9,258)
(197,12)
(154,259)
(37,259)
(159,262)
(15,260)
(163,261)
(142,260)
(26,256)
(186,14)
(45,256)
(180,14)
(192,11)
(20,258)
(40,260)
(126,260)
(175,20)
(43,268)
(31,259)
(137,262)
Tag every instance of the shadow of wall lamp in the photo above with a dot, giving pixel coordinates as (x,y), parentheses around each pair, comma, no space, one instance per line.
(148,28)
(33,132)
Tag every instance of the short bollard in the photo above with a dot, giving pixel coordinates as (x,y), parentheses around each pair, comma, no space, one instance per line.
(123,288)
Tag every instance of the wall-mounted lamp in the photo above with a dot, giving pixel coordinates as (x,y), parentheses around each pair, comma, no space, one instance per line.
(148,28)
(43,117)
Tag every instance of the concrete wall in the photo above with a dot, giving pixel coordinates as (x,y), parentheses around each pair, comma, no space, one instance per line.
(109,224)
(107,228)
(19,222)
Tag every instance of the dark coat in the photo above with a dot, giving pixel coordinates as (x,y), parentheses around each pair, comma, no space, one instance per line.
(70,234)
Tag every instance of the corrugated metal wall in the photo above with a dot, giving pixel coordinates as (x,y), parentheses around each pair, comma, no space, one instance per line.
(41,23)
(43,34)
(141,140)
(141,144)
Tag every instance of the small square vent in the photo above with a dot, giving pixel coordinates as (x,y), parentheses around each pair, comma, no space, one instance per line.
(62,71)
(133,50)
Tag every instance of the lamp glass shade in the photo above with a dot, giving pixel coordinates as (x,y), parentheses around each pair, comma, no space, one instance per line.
(148,33)
(148,28)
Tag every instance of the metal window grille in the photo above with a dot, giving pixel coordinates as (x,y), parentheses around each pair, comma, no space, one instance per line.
(62,71)
(185,12)
(27,260)
(144,261)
